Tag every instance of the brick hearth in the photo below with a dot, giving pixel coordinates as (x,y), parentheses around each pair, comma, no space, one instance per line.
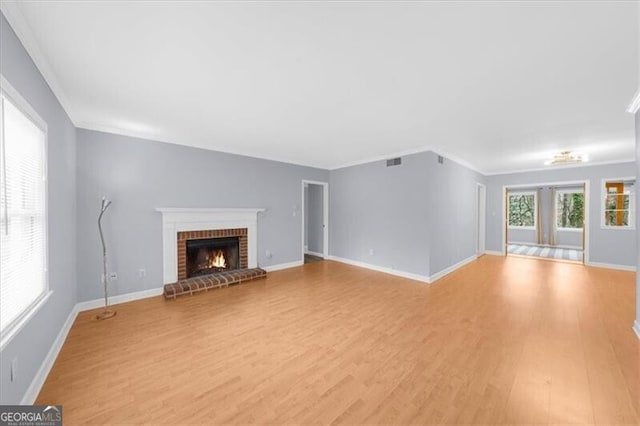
(208,282)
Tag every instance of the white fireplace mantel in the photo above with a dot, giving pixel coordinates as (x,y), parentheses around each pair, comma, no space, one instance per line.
(176,220)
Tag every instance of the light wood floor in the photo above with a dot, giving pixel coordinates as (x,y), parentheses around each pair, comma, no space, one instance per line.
(502,340)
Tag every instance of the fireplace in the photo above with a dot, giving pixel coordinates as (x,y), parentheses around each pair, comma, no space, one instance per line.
(210,255)
(209,251)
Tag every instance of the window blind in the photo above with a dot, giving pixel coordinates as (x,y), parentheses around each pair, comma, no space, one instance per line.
(22,214)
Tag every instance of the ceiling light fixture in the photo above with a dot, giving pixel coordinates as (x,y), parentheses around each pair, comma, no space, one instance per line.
(566,157)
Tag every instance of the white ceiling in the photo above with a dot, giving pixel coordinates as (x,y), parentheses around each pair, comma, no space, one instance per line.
(500,86)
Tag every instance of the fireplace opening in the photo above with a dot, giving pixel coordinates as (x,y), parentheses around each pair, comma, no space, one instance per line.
(211,255)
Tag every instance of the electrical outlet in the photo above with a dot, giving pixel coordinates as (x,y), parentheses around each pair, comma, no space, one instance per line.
(14,369)
(142,273)
(268,254)
(370,252)
(113,276)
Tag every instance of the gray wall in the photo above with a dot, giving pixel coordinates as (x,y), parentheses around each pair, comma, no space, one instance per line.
(383,209)
(33,342)
(616,247)
(315,230)
(453,217)
(140,175)
(418,217)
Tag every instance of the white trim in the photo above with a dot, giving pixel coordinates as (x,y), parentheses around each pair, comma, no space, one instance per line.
(190,211)
(494,253)
(452,268)
(21,103)
(18,23)
(632,204)
(481,218)
(16,99)
(34,388)
(121,298)
(313,253)
(567,166)
(611,266)
(395,272)
(325,218)
(403,274)
(636,327)
(408,152)
(281,266)
(634,106)
(176,220)
(24,318)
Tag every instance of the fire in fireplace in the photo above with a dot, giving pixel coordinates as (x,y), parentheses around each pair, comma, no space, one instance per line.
(211,255)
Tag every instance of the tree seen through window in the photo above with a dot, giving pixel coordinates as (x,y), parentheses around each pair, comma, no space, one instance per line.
(522,210)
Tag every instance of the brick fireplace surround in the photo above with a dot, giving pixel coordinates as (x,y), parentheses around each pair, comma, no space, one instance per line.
(182,224)
(183,236)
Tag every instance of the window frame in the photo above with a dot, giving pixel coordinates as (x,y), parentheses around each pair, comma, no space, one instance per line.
(555,211)
(535,209)
(8,92)
(632,204)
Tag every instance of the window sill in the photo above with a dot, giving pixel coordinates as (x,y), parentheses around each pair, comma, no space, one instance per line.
(523,228)
(618,228)
(13,331)
(569,229)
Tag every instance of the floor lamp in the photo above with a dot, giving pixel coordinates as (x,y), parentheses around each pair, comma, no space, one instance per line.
(106,313)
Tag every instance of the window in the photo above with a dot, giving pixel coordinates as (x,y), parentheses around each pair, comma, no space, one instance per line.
(569,209)
(522,209)
(618,205)
(23,254)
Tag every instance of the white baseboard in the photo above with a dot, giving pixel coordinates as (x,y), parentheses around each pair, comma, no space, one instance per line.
(121,298)
(452,268)
(611,266)
(409,275)
(636,327)
(314,253)
(281,266)
(34,388)
(494,252)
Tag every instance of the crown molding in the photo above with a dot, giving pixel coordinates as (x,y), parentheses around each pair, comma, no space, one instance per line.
(164,138)
(568,166)
(634,106)
(404,153)
(13,14)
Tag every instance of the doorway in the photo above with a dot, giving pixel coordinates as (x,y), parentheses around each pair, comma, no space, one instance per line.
(547,221)
(481,201)
(315,223)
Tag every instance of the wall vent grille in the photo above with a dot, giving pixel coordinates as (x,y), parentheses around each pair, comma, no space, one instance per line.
(394,162)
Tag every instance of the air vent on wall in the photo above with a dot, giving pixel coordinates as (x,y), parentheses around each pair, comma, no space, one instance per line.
(394,162)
